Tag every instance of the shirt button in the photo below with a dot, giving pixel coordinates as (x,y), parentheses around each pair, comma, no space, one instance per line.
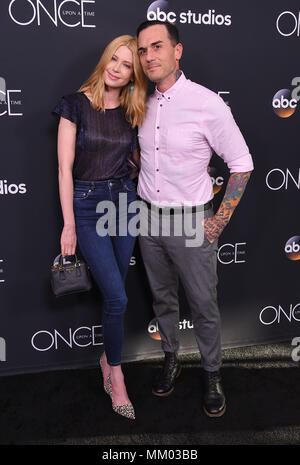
(157,190)
(160,105)
(157,169)
(156,148)
(157,127)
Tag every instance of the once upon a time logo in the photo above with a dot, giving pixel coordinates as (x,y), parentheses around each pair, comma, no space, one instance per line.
(9,100)
(277,179)
(69,13)
(288,24)
(80,337)
(232,253)
(272,314)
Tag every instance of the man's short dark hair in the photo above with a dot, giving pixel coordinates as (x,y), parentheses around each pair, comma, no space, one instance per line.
(172,30)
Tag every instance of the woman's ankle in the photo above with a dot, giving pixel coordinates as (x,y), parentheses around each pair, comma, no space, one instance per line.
(116,372)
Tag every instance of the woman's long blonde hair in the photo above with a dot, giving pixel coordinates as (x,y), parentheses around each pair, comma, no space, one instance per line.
(133,101)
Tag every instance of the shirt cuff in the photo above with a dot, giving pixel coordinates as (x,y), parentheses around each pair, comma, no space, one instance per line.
(242,164)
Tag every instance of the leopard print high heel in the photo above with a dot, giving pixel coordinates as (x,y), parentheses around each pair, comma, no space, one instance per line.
(126,410)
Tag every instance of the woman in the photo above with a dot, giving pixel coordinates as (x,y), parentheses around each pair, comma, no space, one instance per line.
(96,143)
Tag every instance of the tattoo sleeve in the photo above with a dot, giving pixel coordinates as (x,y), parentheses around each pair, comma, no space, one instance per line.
(235,188)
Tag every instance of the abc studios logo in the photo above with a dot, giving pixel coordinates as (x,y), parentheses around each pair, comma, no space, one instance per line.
(6,189)
(159,10)
(285,101)
(26,12)
(288,23)
(154,331)
(292,248)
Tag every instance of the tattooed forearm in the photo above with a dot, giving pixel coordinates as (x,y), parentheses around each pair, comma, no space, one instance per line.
(235,188)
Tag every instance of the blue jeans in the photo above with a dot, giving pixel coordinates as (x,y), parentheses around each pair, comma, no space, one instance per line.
(108,255)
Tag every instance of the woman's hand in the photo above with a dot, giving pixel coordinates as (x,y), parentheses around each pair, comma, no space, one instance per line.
(68,240)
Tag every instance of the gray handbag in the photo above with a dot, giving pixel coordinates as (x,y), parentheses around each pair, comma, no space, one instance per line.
(70,277)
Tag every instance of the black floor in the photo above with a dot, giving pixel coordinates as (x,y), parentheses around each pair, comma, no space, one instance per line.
(70,407)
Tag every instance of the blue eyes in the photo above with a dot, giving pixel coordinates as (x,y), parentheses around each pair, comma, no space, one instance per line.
(125,64)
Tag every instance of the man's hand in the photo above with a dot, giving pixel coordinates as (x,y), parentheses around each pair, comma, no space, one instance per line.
(236,185)
(213,227)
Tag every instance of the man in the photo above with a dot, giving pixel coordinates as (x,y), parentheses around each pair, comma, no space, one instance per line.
(184,124)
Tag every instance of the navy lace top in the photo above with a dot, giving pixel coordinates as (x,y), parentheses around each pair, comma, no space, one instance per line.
(104,141)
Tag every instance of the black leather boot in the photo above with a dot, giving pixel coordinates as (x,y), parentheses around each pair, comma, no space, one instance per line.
(214,399)
(164,384)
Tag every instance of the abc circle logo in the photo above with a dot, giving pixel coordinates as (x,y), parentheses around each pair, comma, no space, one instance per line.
(153,330)
(283,105)
(159,10)
(216,179)
(292,248)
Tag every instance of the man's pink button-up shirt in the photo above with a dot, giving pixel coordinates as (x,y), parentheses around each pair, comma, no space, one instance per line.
(182,128)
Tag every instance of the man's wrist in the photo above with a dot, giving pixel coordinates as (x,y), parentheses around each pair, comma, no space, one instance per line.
(221,220)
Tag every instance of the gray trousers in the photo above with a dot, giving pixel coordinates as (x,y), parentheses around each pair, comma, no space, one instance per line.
(168,259)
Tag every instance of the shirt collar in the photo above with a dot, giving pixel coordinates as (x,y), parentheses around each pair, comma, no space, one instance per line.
(170,93)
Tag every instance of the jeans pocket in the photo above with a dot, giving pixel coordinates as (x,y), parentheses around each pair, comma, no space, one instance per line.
(128,185)
(81,192)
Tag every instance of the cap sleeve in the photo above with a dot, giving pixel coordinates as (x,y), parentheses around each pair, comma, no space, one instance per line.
(67,107)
